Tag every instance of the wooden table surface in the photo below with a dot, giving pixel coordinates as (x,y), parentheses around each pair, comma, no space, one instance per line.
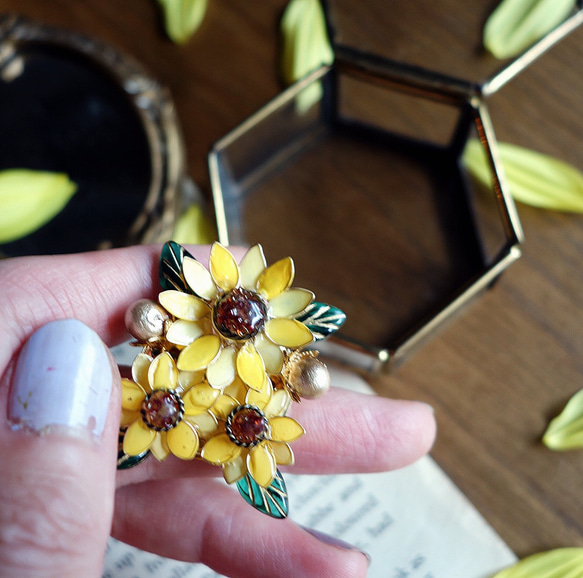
(502,370)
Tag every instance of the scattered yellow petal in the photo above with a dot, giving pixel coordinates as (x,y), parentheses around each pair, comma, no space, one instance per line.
(285,429)
(223,267)
(560,563)
(220,450)
(517,24)
(261,464)
(276,278)
(183,441)
(565,432)
(163,373)
(30,199)
(533,178)
(199,353)
(304,38)
(193,227)
(182,18)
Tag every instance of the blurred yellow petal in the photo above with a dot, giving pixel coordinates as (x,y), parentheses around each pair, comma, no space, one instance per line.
(565,432)
(261,464)
(285,429)
(30,199)
(183,441)
(193,227)
(288,332)
(220,450)
(284,455)
(221,372)
(140,369)
(517,24)
(224,406)
(199,398)
(250,367)
(224,268)
(271,354)
(560,563)
(276,278)
(128,417)
(237,390)
(206,423)
(259,398)
(252,265)
(132,395)
(138,438)
(235,470)
(183,305)
(188,379)
(199,278)
(291,302)
(533,178)
(278,404)
(160,449)
(183,332)
(163,373)
(304,38)
(182,18)
(199,353)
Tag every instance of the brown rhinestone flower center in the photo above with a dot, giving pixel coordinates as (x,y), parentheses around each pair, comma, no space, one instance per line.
(162,410)
(247,425)
(240,314)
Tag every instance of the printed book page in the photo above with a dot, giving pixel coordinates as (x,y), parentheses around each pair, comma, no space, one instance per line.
(414,522)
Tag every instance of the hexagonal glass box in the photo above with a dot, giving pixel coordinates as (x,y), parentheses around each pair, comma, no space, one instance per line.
(358,175)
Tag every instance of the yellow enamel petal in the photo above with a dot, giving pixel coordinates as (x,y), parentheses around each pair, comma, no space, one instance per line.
(199,353)
(159,448)
(183,441)
(132,395)
(250,367)
(565,432)
(288,333)
(252,265)
(225,405)
(140,368)
(183,332)
(183,305)
(199,398)
(138,438)
(290,302)
(220,450)
(224,268)
(261,464)
(259,398)
(278,404)
(221,372)
(198,278)
(128,417)
(284,455)
(237,390)
(271,354)
(276,278)
(206,423)
(188,379)
(163,373)
(235,470)
(285,429)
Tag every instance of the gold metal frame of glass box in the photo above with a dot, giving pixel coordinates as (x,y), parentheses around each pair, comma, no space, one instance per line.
(359,355)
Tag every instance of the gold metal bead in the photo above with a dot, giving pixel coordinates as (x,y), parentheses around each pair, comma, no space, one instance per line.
(146,320)
(306,375)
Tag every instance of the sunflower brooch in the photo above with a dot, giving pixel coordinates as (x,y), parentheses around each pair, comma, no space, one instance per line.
(222,359)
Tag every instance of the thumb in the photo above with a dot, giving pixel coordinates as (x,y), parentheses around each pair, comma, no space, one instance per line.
(58,450)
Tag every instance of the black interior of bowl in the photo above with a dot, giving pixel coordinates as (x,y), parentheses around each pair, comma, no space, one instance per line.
(65,113)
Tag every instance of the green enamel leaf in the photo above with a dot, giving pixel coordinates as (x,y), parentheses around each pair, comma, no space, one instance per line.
(272,501)
(560,563)
(170,272)
(533,178)
(322,319)
(305,44)
(565,432)
(193,227)
(30,199)
(182,18)
(517,24)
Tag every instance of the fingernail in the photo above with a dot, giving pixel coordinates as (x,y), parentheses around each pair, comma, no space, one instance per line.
(62,380)
(332,541)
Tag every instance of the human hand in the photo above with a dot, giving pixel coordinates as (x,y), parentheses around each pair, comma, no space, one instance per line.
(58,480)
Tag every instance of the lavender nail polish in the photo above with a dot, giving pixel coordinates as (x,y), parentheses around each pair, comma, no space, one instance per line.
(62,380)
(332,541)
